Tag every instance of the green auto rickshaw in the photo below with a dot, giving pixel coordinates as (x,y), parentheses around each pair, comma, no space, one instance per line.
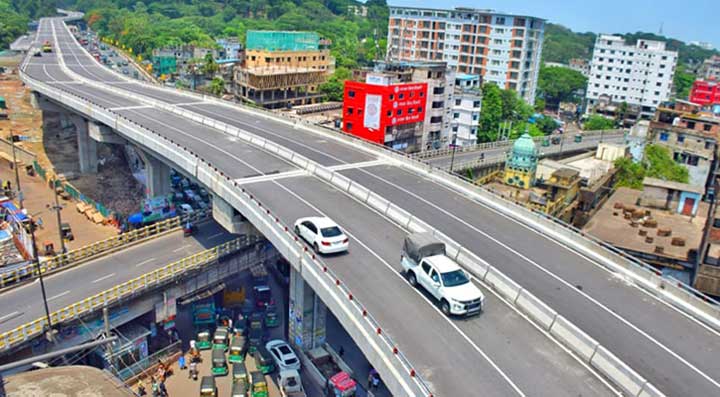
(271,316)
(207,387)
(219,364)
(259,386)
(239,390)
(263,360)
(238,348)
(546,142)
(257,319)
(239,374)
(255,339)
(203,340)
(220,338)
(578,138)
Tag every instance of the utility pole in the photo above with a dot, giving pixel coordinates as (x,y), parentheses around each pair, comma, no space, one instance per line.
(36,259)
(57,208)
(17,172)
(454,148)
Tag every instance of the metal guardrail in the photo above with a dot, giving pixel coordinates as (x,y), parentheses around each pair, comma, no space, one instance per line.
(331,289)
(129,288)
(30,271)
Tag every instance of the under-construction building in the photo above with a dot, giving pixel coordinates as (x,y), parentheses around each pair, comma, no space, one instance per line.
(283,69)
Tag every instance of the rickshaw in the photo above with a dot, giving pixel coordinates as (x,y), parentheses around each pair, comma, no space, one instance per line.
(207,387)
(271,316)
(220,339)
(259,386)
(239,374)
(578,138)
(546,142)
(203,340)
(240,326)
(219,365)
(256,320)
(239,390)
(238,348)
(255,339)
(263,360)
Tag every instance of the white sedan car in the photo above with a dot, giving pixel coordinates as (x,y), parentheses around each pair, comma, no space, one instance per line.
(283,355)
(323,234)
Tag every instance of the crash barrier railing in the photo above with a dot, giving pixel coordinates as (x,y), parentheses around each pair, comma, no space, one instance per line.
(73,257)
(127,289)
(568,138)
(607,363)
(387,357)
(142,365)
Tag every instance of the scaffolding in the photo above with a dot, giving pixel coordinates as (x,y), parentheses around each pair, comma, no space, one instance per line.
(282,40)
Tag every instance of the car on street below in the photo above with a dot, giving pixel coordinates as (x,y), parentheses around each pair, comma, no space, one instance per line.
(283,355)
(323,234)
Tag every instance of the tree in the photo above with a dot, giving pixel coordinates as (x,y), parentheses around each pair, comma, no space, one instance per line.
(491,113)
(595,123)
(562,44)
(683,81)
(546,124)
(629,174)
(660,164)
(335,86)
(217,86)
(210,67)
(558,84)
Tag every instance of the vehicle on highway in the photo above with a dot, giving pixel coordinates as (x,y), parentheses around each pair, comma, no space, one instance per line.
(290,384)
(125,71)
(263,296)
(271,316)
(264,361)
(203,340)
(283,354)
(239,390)
(47,47)
(37,53)
(259,385)
(207,387)
(239,374)
(323,234)
(219,364)
(189,229)
(238,348)
(425,264)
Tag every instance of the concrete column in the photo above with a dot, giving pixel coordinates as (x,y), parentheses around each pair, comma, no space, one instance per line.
(102,133)
(87,147)
(157,175)
(307,315)
(229,218)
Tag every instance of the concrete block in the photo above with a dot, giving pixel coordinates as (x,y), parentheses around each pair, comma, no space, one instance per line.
(506,287)
(575,339)
(649,390)
(538,311)
(621,374)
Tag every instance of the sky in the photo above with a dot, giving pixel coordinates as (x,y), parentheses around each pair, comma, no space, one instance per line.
(689,20)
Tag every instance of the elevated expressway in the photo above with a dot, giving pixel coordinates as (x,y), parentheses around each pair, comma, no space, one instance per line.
(256,161)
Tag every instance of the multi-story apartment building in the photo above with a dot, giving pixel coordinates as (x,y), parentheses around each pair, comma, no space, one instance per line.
(710,69)
(705,92)
(282,69)
(639,74)
(501,48)
(466,106)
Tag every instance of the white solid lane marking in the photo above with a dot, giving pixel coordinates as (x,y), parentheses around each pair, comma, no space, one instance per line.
(103,278)
(216,235)
(556,277)
(145,262)
(432,305)
(58,295)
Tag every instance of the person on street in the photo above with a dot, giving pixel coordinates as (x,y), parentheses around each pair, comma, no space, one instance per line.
(181,361)
(193,370)
(163,389)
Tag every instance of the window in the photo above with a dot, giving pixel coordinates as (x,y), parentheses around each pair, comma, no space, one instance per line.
(349,111)
(664,136)
(399,112)
(411,110)
(419,109)
(456,115)
(351,94)
(709,144)
(392,96)
(348,126)
(691,125)
(707,127)
(422,94)
(426,268)
(458,102)
(389,113)
(681,138)
(401,96)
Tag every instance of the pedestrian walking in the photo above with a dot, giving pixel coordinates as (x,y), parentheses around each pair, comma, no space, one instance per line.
(193,370)
(163,389)
(141,389)
(181,361)
(341,351)
(192,344)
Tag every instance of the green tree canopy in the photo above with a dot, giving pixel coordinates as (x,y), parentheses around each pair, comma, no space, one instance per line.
(595,123)
(657,163)
(335,86)
(558,84)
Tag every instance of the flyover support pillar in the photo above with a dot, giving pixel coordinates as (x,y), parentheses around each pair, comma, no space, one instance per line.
(229,218)
(87,147)
(157,175)
(307,315)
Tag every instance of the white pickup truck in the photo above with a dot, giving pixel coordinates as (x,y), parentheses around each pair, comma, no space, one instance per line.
(424,261)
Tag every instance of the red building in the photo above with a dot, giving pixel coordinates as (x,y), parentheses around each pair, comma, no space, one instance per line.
(389,114)
(705,92)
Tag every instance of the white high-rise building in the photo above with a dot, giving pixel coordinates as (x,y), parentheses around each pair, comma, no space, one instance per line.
(466,106)
(501,48)
(640,74)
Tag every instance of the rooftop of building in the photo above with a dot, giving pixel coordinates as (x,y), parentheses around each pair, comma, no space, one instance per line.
(75,380)
(466,77)
(466,9)
(672,185)
(278,40)
(280,70)
(610,225)
(382,66)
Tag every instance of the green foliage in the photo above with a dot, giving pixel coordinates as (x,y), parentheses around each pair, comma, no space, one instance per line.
(152,24)
(558,84)
(659,164)
(547,125)
(334,87)
(629,174)
(217,86)
(503,109)
(12,24)
(656,163)
(562,44)
(210,67)
(595,123)
(683,82)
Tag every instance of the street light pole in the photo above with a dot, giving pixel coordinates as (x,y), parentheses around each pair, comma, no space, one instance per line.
(17,173)
(452,158)
(57,208)
(36,259)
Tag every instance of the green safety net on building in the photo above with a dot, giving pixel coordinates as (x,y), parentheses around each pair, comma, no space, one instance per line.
(164,65)
(282,41)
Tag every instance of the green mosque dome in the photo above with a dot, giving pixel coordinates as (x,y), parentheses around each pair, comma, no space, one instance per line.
(524,153)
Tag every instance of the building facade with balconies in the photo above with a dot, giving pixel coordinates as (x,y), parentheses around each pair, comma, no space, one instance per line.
(501,48)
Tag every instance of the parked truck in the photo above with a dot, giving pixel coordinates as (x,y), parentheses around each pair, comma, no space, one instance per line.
(425,263)
(328,370)
(290,384)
